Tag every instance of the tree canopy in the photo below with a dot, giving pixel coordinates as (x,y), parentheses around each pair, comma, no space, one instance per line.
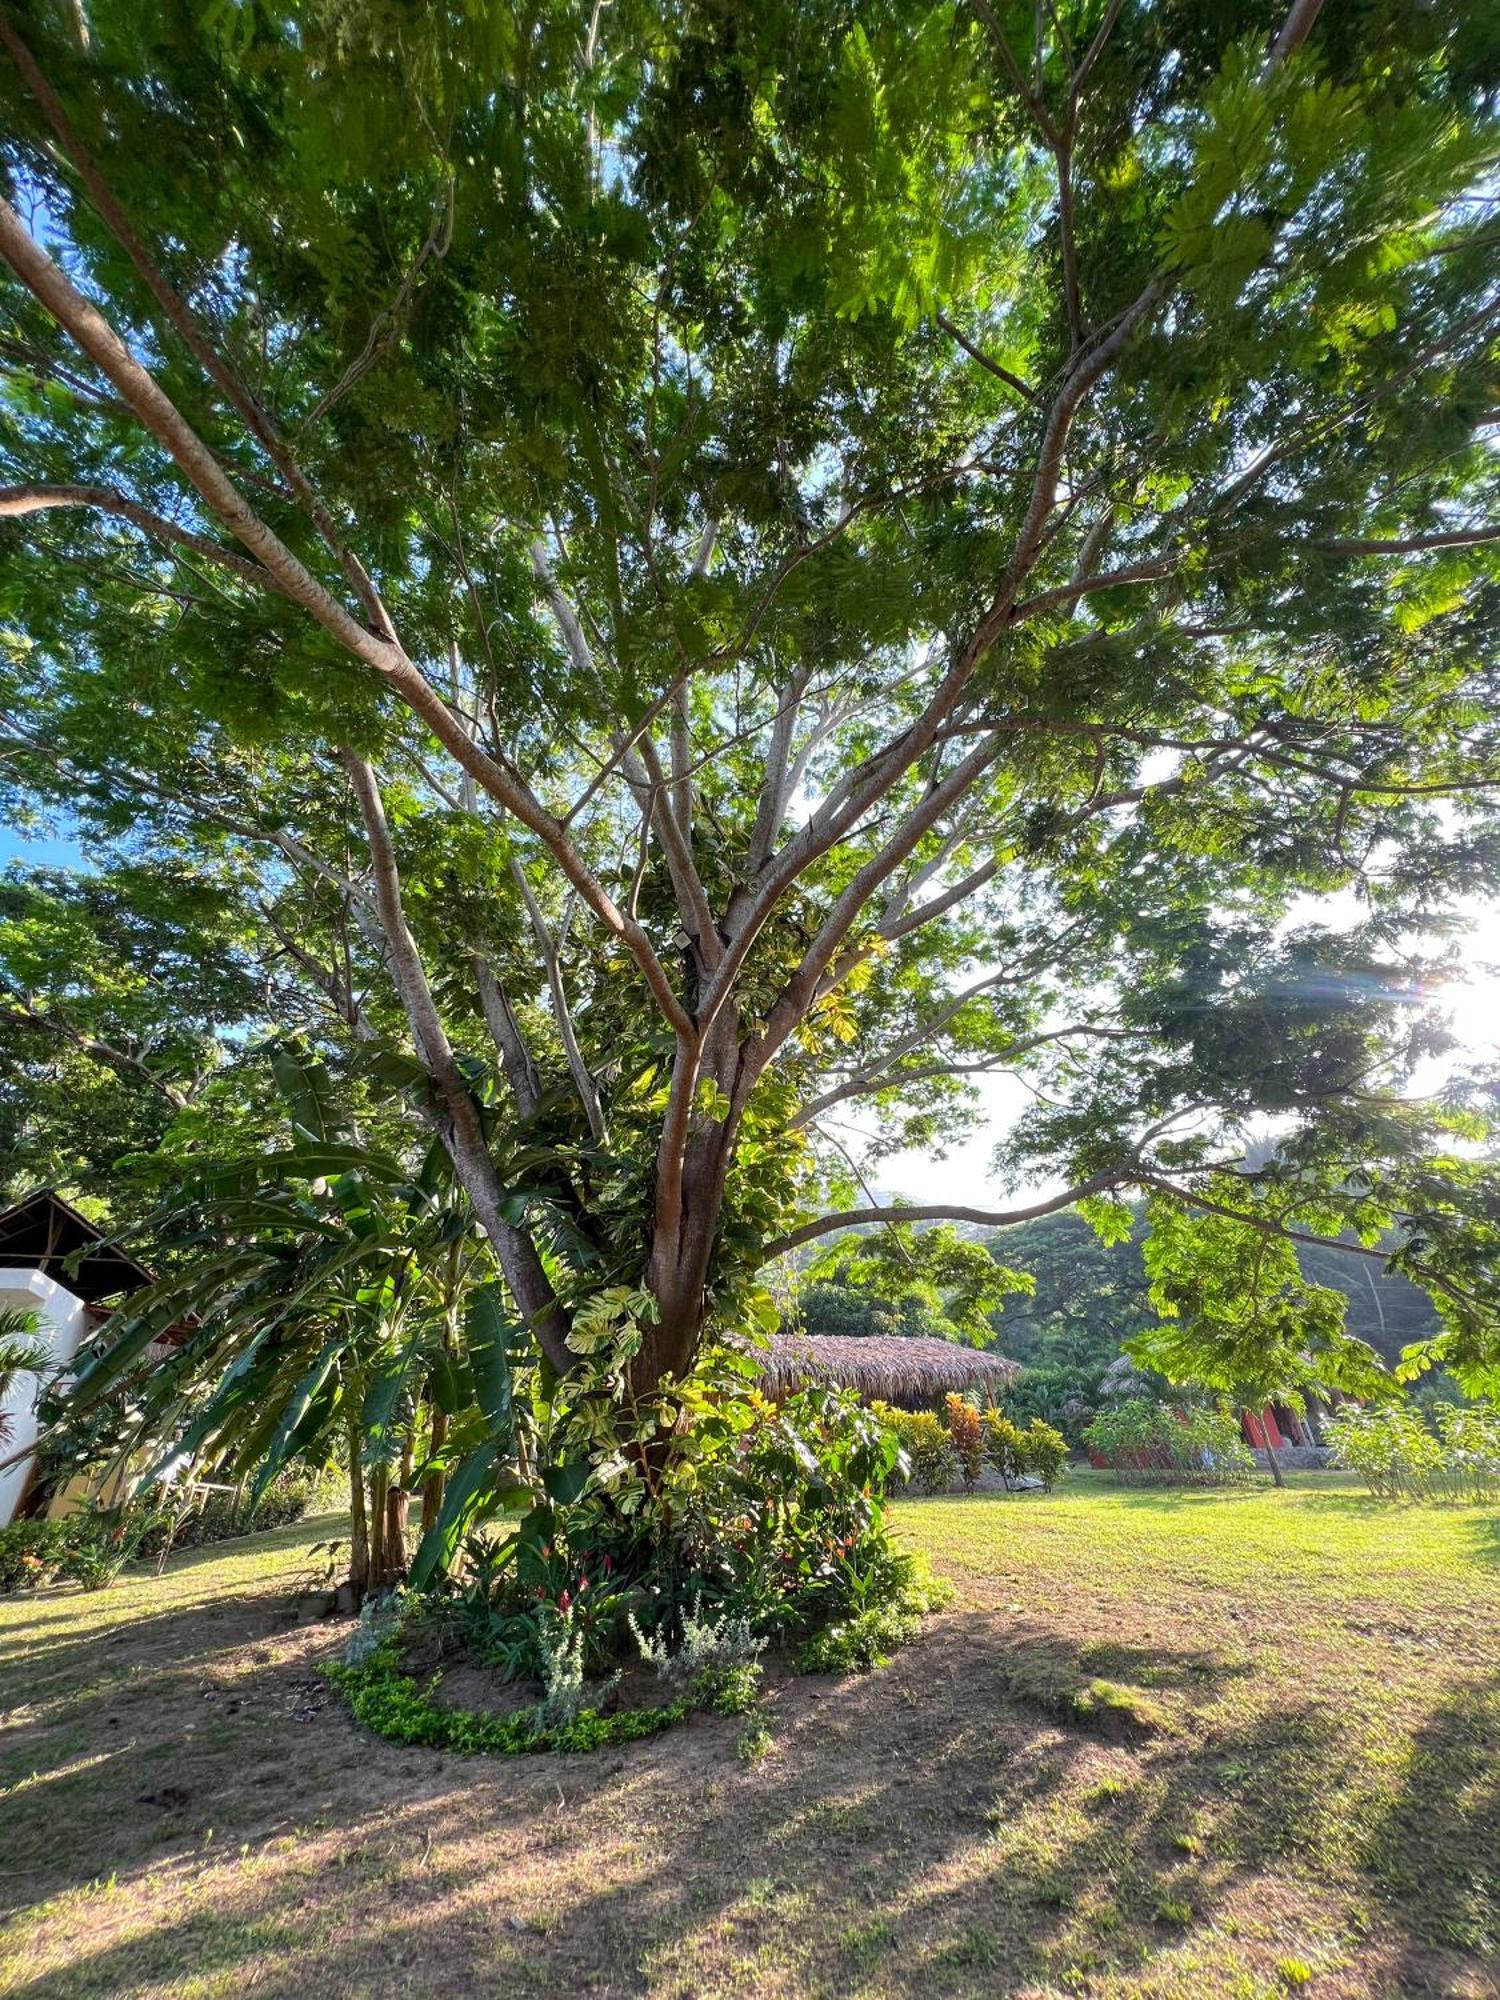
(657,583)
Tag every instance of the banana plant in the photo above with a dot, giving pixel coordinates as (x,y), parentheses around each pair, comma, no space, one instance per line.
(315,1308)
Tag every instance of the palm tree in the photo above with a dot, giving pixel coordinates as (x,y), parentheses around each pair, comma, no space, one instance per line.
(22,1352)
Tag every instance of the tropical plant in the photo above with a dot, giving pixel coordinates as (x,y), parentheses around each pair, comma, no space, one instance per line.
(1037,1452)
(928,1460)
(22,1352)
(966,1435)
(317,1297)
(31,1553)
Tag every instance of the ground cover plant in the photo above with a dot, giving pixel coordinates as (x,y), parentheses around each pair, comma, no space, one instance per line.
(1162,1746)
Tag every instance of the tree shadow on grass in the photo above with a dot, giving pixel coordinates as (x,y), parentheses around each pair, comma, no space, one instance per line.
(956,1824)
(1484,1538)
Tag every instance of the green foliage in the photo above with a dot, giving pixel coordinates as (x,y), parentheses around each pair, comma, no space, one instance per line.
(709,1651)
(221,1517)
(388,1701)
(31,1553)
(1157,1444)
(1037,1452)
(732,1690)
(1089,1293)
(1062,1398)
(89,1547)
(866,1640)
(928,1460)
(817,560)
(1400,1457)
(929,1280)
(100,1541)
(771,1525)
(1238,1315)
(754,1741)
(22,1351)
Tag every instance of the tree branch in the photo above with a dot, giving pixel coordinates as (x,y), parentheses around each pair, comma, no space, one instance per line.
(1003,1218)
(141,393)
(17,501)
(186,326)
(522,1266)
(986,361)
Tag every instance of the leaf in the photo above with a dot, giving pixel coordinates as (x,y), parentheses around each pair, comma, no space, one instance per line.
(566,1483)
(310,1097)
(489,1334)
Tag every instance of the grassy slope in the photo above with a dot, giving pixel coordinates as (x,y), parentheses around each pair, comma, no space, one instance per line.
(1161,1746)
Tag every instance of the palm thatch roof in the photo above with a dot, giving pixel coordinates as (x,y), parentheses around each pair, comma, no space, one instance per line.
(911,1372)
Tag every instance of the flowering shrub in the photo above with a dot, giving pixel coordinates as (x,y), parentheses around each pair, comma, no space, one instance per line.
(1157,1444)
(775,1526)
(31,1553)
(1400,1458)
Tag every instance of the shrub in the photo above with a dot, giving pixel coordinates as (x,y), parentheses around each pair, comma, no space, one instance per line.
(1159,1444)
(1004,1445)
(966,1435)
(31,1553)
(91,1547)
(932,1463)
(221,1517)
(1400,1458)
(869,1638)
(711,1649)
(772,1525)
(1046,1452)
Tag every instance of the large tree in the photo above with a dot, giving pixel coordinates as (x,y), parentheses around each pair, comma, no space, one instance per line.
(714,573)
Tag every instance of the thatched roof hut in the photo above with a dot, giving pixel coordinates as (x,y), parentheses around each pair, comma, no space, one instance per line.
(913,1373)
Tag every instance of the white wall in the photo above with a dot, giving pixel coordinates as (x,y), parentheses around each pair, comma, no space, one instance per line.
(64,1324)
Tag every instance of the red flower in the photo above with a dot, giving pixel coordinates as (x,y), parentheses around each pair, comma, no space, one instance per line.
(564,1603)
(583,1584)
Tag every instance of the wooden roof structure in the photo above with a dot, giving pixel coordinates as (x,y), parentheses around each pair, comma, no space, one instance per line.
(45,1233)
(911,1372)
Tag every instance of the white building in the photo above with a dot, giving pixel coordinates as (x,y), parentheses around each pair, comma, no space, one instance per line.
(53,1262)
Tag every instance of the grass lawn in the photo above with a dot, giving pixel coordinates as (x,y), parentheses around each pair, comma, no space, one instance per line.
(1161,1745)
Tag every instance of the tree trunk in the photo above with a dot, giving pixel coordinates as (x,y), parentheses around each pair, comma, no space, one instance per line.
(359,1527)
(397,1506)
(379,1481)
(397,1503)
(1275,1464)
